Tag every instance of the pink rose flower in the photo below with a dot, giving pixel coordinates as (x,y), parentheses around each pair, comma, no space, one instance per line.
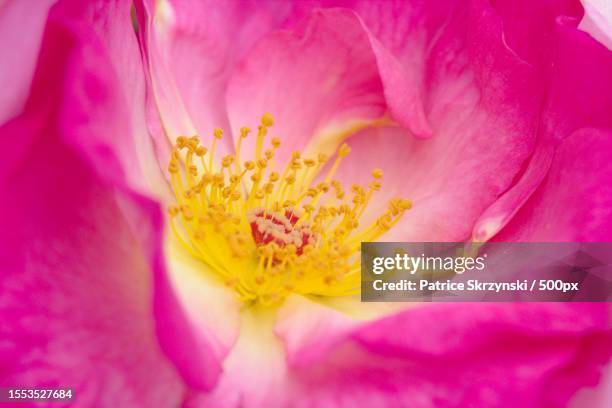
(482,120)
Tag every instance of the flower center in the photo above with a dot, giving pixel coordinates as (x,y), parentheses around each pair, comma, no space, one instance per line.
(266,233)
(282,229)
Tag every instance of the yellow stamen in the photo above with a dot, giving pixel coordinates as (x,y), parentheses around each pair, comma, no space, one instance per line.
(283,234)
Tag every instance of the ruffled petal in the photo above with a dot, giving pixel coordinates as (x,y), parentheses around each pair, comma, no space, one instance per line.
(502,355)
(190,49)
(574,202)
(255,372)
(319,80)
(483,355)
(77,280)
(78,128)
(483,100)
(579,96)
(309,329)
(76,288)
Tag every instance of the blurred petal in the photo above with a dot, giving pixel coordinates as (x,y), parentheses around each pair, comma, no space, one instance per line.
(80,104)
(595,397)
(310,329)
(21,28)
(76,290)
(77,280)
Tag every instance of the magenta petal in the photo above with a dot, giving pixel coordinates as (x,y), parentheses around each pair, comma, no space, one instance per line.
(322,78)
(484,103)
(484,82)
(529,25)
(501,355)
(580,84)
(76,284)
(81,241)
(574,202)
(580,96)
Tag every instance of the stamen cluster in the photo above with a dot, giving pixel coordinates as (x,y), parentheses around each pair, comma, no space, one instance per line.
(268,233)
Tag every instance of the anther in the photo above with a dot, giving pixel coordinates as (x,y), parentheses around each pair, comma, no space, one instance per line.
(267,120)
(344,150)
(181,141)
(377,173)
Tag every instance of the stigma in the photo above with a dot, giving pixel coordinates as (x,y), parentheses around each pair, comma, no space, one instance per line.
(268,232)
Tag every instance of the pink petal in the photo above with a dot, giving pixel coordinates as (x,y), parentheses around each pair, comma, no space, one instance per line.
(483,101)
(112,42)
(450,178)
(529,26)
(255,373)
(580,84)
(502,355)
(258,371)
(114,28)
(502,210)
(190,48)
(212,308)
(78,115)
(169,117)
(483,355)
(21,28)
(77,284)
(595,397)
(309,330)
(574,202)
(579,96)
(319,80)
